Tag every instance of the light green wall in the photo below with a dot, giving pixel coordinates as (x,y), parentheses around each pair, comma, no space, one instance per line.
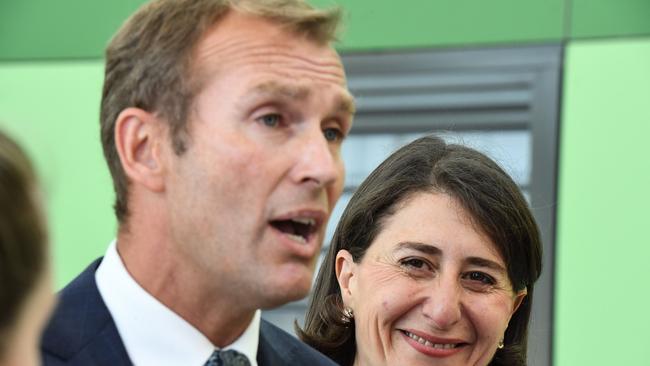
(52,109)
(603,246)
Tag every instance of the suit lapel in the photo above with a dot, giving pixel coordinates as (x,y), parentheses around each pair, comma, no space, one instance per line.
(104,349)
(81,330)
(268,351)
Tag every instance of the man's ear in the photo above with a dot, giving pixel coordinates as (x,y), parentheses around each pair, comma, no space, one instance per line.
(345,274)
(138,139)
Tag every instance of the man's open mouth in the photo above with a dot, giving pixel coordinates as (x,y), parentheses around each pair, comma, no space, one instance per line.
(298,229)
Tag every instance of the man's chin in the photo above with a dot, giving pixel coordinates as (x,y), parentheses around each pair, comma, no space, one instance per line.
(285,293)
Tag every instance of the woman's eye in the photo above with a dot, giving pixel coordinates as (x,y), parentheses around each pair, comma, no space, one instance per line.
(415,263)
(480,277)
(271,120)
(333,134)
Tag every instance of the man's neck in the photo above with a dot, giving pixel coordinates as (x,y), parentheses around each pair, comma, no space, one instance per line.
(221,317)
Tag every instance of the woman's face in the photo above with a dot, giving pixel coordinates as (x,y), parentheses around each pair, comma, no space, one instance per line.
(430,290)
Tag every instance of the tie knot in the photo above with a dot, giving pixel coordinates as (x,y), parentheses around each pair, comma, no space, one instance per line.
(227,358)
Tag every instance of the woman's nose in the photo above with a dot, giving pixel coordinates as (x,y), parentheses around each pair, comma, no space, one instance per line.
(443,304)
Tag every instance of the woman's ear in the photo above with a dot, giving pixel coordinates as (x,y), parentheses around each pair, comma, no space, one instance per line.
(519,298)
(345,274)
(138,140)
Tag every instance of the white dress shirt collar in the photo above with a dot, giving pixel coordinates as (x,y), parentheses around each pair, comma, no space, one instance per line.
(151,332)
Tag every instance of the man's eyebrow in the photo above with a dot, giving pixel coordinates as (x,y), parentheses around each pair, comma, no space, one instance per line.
(283,90)
(421,247)
(347,105)
(482,262)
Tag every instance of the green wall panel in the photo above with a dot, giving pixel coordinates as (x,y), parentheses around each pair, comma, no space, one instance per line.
(604,18)
(46,29)
(53,109)
(376,24)
(602,296)
(420,23)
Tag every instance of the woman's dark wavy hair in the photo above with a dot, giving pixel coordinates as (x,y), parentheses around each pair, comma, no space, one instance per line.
(22,235)
(484,190)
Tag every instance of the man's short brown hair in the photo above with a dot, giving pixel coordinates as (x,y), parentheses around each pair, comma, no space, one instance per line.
(148,63)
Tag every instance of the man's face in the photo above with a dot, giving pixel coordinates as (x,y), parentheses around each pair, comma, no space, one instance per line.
(250,198)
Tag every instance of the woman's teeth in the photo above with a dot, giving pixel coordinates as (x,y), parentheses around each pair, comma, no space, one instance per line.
(429,344)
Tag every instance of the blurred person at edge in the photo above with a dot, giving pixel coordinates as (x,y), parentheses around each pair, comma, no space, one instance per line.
(432,263)
(222,123)
(26,294)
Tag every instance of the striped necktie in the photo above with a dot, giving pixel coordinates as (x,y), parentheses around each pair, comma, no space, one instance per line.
(227,358)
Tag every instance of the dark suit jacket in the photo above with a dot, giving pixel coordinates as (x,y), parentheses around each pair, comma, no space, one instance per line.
(82,333)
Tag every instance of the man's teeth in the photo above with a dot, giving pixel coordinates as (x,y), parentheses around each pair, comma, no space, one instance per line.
(297,238)
(305,221)
(429,344)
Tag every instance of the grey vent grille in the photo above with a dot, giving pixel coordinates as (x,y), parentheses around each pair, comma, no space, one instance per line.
(447,90)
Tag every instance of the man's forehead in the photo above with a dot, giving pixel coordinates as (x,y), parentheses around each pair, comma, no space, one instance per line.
(244,44)
(234,29)
(236,34)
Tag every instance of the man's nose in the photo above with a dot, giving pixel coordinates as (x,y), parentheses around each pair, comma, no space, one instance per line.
(318,161)
(443,304)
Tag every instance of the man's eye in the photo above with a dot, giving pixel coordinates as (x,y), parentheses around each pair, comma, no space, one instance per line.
(332,134)
(270,120)
(480,277)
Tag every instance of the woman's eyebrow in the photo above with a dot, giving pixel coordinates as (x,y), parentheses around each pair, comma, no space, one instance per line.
(421,247)
(482,262)
(435,251)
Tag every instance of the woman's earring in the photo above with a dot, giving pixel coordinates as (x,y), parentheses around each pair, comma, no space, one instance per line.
(500,345)
(349,314)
